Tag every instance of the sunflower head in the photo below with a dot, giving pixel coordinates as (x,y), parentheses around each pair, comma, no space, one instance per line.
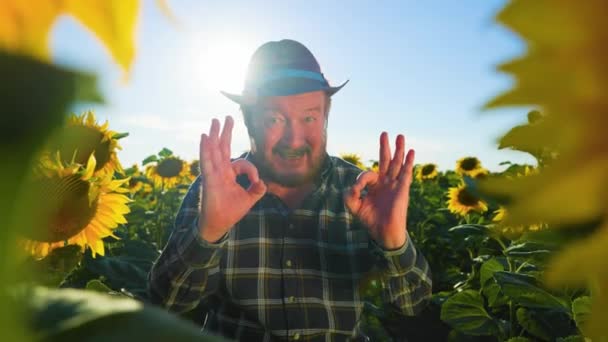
(83,136)
(467,166)
(480,174)
(75,207)
(353,158)
(168,172)
(426,172)
(461,201)
(375,166)
(510,231)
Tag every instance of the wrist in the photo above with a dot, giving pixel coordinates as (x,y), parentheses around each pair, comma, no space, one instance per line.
(210,235)
(392,243)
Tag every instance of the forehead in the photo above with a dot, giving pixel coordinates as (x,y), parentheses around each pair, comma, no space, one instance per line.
(293,103)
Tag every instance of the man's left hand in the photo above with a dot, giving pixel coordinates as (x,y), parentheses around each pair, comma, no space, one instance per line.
(384,209)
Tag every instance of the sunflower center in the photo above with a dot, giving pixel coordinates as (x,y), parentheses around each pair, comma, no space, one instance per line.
(80,142)
(133,182)
(428,169)
(169,168)
(69,211)
(466,198)
(470,163)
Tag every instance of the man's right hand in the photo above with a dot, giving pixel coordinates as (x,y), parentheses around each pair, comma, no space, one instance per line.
(224,202)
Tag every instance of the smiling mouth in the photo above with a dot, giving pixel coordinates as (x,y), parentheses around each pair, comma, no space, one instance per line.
(291,154)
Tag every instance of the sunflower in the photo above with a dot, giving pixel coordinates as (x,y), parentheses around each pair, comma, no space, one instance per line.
(353,159)
(480,173)
(512,231)
(426,171)
(136,182)
(461,201)
(468,166)
(82,136)
(194,169)
(168,172)
(78,209)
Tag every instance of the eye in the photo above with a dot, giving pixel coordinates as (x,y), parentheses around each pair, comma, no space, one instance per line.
(273,120)
(310,118)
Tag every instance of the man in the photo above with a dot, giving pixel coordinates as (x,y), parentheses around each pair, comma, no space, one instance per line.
(278,243)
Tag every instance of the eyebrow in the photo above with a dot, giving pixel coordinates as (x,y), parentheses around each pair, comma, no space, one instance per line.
(315,108)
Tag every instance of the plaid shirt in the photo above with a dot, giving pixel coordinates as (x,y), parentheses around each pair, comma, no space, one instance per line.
(286,274)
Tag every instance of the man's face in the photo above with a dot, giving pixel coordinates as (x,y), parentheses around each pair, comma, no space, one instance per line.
(289,137)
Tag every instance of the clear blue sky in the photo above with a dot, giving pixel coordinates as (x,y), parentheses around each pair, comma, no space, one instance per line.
(423,69)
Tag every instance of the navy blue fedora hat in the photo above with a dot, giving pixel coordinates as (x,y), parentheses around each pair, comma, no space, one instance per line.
(281,68)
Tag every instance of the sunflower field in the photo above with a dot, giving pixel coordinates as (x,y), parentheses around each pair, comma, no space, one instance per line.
(516,255)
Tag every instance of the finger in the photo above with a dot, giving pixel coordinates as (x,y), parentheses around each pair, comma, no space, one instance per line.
(385,154)
(397,162)
(226,137)
(204,155)
(244,167)
(215,129)
(405,176)
(257,189)
(213,143)
(352,198)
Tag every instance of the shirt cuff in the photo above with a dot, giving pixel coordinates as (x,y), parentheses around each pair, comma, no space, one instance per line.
(397,261)
(196,251)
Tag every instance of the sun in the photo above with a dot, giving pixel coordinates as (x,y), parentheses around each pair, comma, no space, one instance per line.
(220,61)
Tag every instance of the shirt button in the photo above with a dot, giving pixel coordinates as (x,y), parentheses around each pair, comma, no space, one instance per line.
(288,263)
(296,336)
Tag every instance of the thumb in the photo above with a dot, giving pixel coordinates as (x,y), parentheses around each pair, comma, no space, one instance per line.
(352,198)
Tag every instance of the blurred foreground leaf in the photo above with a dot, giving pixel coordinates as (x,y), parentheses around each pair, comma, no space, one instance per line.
(69,314)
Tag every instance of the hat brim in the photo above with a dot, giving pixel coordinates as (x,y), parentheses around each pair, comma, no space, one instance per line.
(283,89)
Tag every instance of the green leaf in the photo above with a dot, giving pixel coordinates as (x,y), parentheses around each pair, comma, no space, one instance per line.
(465,311)
(581,310)
(494,294)
(538,328)
(35,97)
(547,325)
(489,267)
(469,229)
(97,286)
(573,338)
(165,152)
(54,268)
(149,159)
(519,339)
(70,314)
(119,136)
(528,249)
(523,289)
(122,271)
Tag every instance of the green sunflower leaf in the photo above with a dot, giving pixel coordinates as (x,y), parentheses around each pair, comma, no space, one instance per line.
(524,290)
(465,312)
(70,314)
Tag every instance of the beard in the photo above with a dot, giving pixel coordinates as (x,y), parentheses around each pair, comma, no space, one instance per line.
(291,180)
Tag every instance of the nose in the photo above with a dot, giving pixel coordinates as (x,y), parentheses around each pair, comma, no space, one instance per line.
(293,136)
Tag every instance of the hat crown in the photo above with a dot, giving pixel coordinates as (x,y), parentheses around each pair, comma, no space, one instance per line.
(276,55)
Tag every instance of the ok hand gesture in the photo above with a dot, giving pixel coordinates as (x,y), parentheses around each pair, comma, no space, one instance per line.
(224,202)
(384,209)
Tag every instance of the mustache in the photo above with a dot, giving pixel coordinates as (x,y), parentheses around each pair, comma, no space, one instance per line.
(287,152)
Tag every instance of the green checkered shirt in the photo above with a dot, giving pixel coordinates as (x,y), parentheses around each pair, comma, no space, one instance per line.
(286,274)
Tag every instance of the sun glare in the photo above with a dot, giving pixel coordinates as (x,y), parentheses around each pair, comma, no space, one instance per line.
(222,63)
